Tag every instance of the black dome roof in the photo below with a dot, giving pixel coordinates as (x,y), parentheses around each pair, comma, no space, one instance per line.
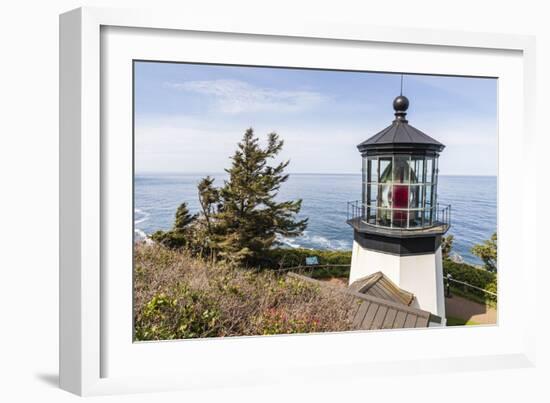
(400,136)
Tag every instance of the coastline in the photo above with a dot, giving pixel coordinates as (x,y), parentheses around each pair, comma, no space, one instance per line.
(325,196)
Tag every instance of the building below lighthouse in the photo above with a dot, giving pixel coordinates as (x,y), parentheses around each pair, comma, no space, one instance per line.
(398,225)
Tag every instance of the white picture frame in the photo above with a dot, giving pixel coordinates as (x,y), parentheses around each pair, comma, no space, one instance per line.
(96,354)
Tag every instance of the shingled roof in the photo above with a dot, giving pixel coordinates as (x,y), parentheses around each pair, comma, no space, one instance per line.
(377,313)
(380,286)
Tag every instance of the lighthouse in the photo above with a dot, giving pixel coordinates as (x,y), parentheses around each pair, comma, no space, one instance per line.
(398,225)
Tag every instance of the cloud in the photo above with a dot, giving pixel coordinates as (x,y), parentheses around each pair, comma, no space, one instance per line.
(234,96)
(194,144)
(191,144)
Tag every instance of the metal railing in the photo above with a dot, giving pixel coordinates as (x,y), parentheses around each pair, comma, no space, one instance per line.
(400,218)
(465,287)
(309,268)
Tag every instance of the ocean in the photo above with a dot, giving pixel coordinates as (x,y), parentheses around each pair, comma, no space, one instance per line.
(473,200)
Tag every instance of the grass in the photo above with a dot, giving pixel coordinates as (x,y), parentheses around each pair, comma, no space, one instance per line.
(177,296)
(451,321)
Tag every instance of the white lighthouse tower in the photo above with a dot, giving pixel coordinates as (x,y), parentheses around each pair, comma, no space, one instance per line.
(398,224)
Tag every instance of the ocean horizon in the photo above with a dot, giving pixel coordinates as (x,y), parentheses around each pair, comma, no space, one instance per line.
(325,197)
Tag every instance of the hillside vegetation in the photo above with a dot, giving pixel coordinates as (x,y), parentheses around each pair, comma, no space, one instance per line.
(339,261)
(179,296)
(471,275)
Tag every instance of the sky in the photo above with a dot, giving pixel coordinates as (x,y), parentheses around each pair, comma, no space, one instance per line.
(189,117)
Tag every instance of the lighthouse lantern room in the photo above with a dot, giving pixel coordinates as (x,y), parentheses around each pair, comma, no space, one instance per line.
(398,225)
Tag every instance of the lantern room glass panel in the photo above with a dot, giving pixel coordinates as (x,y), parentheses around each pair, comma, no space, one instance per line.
(370,189)
(428,209)
(401,168)
(416,205)
(385,169)
(372,170)
(429,170)
(400,191)
(371,204)
(417,170)
(385,181)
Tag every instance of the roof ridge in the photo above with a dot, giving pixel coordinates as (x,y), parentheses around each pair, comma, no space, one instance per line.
(395,132)
(407,131)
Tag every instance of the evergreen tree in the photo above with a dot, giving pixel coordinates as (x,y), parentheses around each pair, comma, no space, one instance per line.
(209,198)
(205,229)
(178,236)
(241,220)
(249,218)
(487,251)
(183,218)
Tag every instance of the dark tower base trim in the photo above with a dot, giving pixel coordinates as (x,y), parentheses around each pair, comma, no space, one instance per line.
(398,246)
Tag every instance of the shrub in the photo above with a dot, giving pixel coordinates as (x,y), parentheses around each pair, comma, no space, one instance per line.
(179,235)
(180,296)
(487,251)
(280,258)
(186,314)
(275,321)
(471,275)
(292,257)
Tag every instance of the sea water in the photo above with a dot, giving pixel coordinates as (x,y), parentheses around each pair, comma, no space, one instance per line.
(324,202)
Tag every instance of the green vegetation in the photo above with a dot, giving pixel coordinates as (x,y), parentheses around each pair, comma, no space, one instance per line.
(460,322)
(180,233)
(180,296)
(485,279)
(447,246)
(487,251)
(239,221)
(194,281)
(473,276)
(280,258)
(292,257)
